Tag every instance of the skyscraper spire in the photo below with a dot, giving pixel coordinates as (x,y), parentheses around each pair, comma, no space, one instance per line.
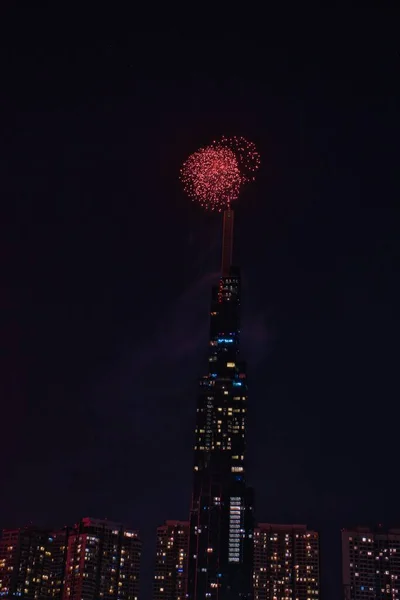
(227,242)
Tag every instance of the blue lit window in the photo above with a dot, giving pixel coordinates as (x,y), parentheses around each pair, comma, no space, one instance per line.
(236,383)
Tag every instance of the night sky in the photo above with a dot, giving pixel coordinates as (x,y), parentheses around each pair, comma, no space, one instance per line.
(107,268)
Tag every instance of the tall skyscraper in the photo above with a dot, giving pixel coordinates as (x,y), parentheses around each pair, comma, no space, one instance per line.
(32,563)
(170,573)
(221,518)
(371,564)
(286,562)
(103,561)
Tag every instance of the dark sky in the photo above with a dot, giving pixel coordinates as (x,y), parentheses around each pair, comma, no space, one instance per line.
(107,267)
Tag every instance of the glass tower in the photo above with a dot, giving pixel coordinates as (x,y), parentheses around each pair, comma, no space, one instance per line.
(221,520)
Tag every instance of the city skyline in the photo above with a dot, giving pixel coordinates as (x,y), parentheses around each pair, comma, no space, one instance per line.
(107,267)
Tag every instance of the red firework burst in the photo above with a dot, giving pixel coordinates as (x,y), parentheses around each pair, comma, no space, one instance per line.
(214,175)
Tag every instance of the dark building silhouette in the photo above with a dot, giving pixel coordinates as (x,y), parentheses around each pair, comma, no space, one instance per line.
(170,573)
(103,561)
(32,563)
(286,562)
(221,518)
(371,564)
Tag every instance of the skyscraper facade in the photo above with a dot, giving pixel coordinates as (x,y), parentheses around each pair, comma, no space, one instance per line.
(371,564)
(221,518)
(286,563)
(170,573)
(103,561)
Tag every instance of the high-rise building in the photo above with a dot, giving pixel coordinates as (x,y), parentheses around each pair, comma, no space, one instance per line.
(286,562)
(371,564)
(170,573)
(221,519)
(103,561)
(32,563)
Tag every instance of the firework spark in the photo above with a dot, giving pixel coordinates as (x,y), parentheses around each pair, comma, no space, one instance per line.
(213,175)
(246,154)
